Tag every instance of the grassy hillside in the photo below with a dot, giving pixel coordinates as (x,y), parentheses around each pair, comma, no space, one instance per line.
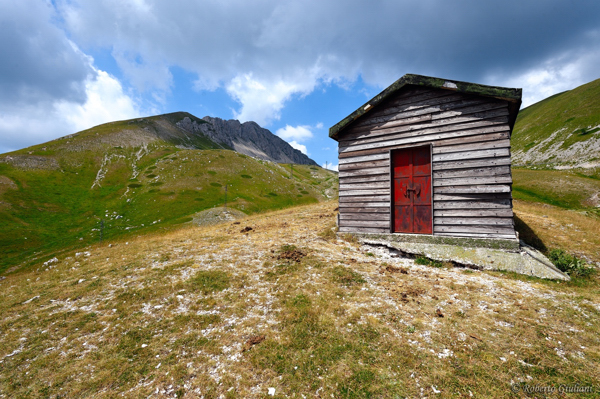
(556,151)
(560,208)
(289,310)
(568,189)
(126,177)
(561,130)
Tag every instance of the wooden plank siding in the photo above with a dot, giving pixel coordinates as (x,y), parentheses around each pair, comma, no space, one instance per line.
(422,135)
(470,138)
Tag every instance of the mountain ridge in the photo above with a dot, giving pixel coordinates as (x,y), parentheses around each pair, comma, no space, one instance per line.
(134,176)
(186,131)
(247,138)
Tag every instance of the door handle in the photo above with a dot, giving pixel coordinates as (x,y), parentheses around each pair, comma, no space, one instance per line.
(416,188)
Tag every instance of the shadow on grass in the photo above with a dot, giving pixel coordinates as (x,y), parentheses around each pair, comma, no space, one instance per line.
(528,235)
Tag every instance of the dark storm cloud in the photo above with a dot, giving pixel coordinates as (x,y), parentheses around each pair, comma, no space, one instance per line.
(464,39)
(336,40)
(48,87)
(469,39)
(38,65)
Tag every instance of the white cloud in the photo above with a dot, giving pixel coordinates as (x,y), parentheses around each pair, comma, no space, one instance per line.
(294,134)
(152,76)
(297,133)
(106,102)
(49,87)
(261,102)
(30,125)
(265,53)
(330,166)
(553,76)
(263,99)
(300,147)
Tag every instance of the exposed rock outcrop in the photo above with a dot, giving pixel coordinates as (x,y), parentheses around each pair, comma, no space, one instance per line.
(555,150)
(31,162)
(247,138)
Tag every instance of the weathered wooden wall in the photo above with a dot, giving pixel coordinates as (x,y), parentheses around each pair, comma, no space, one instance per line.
(470,162)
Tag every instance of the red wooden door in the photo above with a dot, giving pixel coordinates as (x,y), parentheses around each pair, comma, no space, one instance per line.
(411,174)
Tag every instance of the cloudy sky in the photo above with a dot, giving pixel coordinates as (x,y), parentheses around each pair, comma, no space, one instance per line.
(295,67)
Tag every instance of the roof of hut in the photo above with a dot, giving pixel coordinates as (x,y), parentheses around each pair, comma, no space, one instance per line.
(512,96)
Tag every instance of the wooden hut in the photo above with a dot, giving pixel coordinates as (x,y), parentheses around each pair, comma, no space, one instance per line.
(429,156)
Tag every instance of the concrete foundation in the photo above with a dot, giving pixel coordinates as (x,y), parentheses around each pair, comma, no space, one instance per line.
(486,254)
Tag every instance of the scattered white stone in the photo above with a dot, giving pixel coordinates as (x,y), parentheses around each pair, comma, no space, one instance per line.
(13,353)
(526,364)
(29,300)
(272,391)
(81,280)
(144,345)
(435,390)
(51,261)
(158,365)
(560,353)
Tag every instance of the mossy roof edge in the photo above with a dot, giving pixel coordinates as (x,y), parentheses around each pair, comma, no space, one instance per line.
(513,96)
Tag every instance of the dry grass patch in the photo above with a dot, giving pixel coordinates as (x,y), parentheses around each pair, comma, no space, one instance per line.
(209,311)
(560,228)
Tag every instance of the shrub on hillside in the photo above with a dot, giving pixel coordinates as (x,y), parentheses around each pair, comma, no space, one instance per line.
(422,260)
(570,264)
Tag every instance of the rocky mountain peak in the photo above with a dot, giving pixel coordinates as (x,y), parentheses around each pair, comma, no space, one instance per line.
(247,138)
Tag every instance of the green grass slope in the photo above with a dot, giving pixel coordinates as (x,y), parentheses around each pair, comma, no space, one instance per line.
(129,177)
(556,171)
(561,130)
(567,189)
(559,209)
